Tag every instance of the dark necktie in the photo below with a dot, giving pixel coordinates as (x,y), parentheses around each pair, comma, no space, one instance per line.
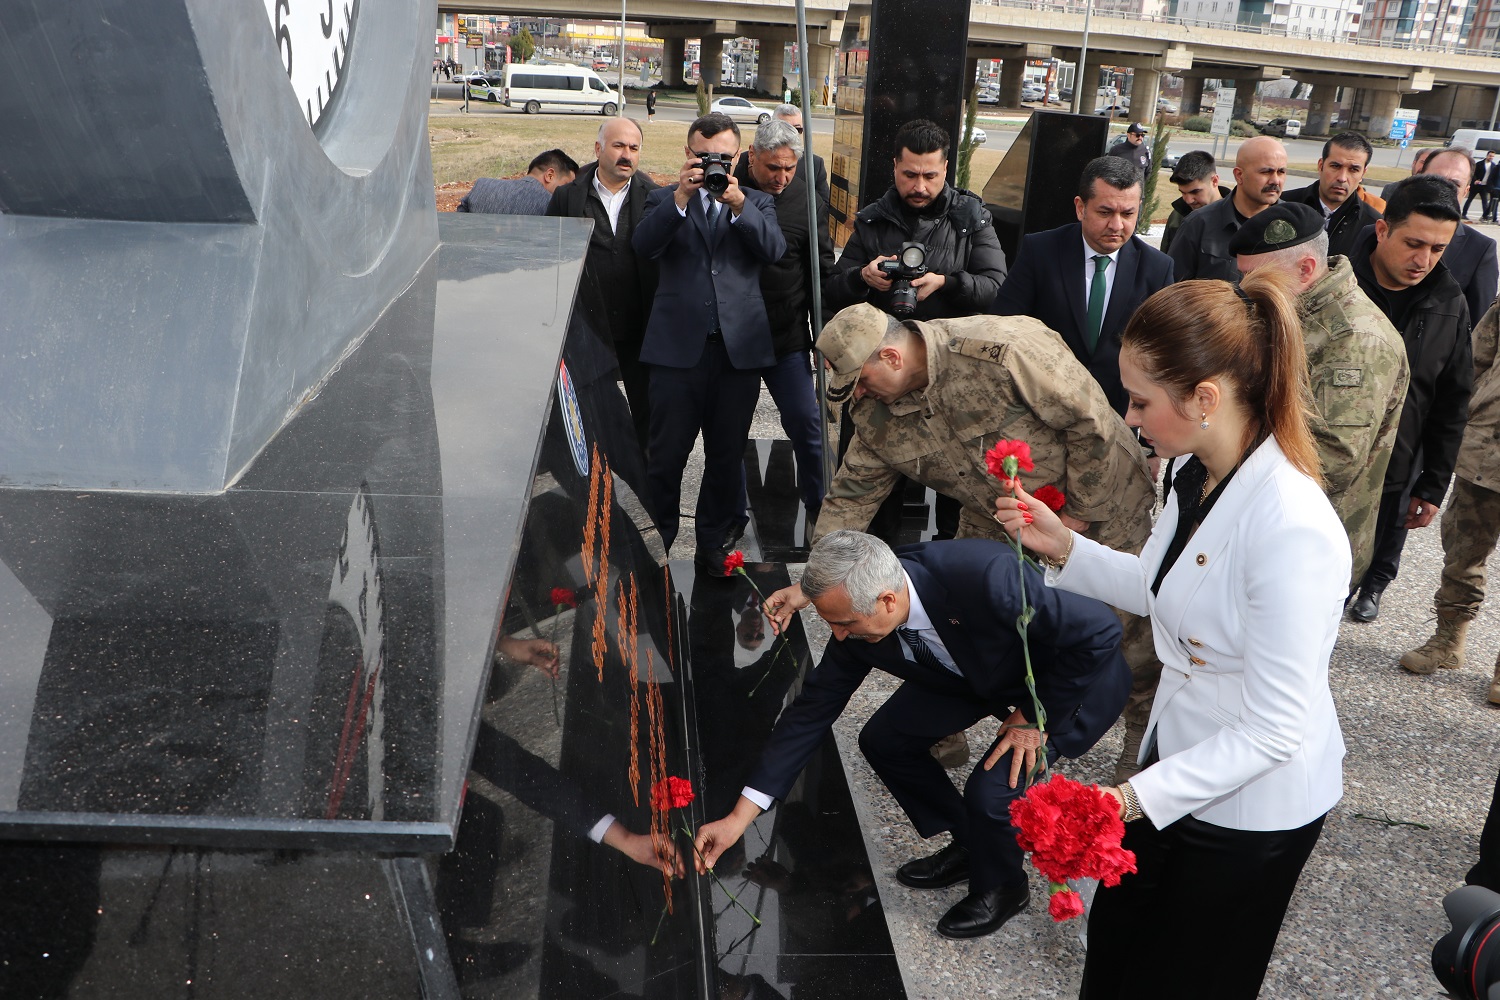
(919,648)
(1096,300)
(713,216)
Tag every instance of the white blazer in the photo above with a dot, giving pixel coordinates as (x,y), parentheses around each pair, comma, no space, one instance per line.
(1244,624)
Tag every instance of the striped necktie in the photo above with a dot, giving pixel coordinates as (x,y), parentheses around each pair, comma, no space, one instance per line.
(919,648)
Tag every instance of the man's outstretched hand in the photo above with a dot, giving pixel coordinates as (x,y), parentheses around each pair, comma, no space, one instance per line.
(717,837)
(780,606)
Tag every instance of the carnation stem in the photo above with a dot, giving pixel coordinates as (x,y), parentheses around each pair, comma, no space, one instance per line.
(1023,620)
(781,646)
(714,875)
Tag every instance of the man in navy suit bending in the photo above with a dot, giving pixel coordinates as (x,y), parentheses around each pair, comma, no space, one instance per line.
(1085,280)
(941,616)
(708,337)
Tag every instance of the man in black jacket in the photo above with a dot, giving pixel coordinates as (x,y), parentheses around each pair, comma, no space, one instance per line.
(1398,267)
(1201,247)
(1197,179)
(771,164)
(965,264)
(617,285)
(1338,194)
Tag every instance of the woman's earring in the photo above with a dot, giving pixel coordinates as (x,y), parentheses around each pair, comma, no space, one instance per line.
(1204,423)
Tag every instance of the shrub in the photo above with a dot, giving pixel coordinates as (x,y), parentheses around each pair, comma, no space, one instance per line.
(1197,123)
(1243,128)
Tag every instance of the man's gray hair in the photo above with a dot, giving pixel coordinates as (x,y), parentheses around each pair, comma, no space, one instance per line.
(862,564)
(774,134)
(1287,257)
(786,111)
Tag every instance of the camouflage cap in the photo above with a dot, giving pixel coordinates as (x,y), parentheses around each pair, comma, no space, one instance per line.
(847,341)
(1284,224)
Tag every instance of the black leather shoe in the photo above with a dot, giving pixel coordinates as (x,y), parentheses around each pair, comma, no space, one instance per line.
(1366,607)
(949,866)
(710,562)
(981,913)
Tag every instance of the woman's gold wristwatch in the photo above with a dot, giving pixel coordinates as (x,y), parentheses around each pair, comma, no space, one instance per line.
(1132,804)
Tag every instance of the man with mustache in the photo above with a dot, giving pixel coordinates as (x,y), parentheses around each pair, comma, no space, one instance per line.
(1399,268)
(1339,193)
(617,285)
(1201,246)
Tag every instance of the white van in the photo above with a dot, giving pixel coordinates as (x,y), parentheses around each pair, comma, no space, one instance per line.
(571,88)
(1477,140)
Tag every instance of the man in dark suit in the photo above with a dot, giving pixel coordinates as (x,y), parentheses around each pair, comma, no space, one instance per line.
(617,286)
(1486,174)
(1470,256)
(1060,275)
(708,336)
(941,616)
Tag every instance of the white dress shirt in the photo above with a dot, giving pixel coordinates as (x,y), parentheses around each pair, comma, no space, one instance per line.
(613,201)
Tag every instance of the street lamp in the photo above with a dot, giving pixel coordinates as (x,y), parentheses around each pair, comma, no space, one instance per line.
(1083,59)
(620,107)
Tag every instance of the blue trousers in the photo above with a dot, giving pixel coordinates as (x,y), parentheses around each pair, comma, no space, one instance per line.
(791,386)
(715,397)
(897,740)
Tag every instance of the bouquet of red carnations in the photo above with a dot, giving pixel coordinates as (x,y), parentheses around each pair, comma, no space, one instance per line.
(1072,831)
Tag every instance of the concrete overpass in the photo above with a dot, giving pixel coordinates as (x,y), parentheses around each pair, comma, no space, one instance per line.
(1016,30)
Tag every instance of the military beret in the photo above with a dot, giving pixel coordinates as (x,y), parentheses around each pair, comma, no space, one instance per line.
(847,341)
(1284,224)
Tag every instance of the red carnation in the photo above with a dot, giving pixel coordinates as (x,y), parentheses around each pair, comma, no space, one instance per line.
(1007,458)
(1065,905)
(671,793)
(1051,496)
(1072,831)
(735,560)
(562,597)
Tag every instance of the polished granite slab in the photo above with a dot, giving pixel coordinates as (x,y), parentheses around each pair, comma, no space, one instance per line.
(299,660)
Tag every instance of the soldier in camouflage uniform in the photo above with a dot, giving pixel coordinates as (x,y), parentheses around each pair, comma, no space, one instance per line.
(930,398)
(1356,362)
(1471,521)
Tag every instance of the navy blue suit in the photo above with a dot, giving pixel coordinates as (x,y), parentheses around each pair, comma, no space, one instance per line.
(971,590)
(706,341)
(1047,283)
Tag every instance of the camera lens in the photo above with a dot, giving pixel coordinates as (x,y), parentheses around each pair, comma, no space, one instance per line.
(1466,960)
(715,175)
(913,255)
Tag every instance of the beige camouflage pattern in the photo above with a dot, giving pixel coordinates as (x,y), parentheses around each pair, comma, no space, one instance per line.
(1356,361)
(995,377)
(1471,525)
(1479,455)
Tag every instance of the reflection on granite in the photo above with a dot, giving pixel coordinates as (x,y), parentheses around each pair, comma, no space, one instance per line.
(802,868)
(298,660)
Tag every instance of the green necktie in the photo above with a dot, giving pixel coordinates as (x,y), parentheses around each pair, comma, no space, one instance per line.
(1096,300)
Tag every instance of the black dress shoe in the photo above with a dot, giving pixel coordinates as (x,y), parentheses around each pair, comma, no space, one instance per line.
(949,866)
(1366,607)
(710,562)
(981,913)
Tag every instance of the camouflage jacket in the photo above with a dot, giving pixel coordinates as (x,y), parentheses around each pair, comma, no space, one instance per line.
(1479,455)
(994,377)
(1357,364)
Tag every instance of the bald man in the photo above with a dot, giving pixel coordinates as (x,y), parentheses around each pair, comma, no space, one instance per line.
(1471,256)
(1201,247)
(617,286)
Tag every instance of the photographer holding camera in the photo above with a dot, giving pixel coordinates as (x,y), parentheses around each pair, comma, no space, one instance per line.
(708,337)
(958,264)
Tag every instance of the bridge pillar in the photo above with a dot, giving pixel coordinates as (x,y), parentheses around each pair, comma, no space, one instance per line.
(820,72)
(711,59)
(1382,105)
(1192,95)
(1322,109)
(1012,73)
(1244,97)
(770,64)
(1145,88)
(1087,84)
(673,51)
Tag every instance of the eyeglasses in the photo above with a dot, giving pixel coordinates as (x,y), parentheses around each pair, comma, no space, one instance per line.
(797,127)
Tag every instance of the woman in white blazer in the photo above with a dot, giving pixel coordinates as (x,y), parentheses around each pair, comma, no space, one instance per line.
(1244,578)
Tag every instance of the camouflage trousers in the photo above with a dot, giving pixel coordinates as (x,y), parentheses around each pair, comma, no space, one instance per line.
(1471,526)
(1137,644)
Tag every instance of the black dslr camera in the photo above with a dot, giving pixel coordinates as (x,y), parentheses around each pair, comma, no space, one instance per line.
(910,263)
(716,167)
(1466,960)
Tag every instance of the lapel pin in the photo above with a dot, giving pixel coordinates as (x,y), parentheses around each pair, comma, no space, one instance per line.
(952,621)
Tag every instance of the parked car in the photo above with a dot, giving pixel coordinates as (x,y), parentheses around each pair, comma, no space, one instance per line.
(1288,128)
(978,137)
(486,88)
(1033,92)
(1066,94)
(740,110)
(989,95)
(1169,161)
(1165,106)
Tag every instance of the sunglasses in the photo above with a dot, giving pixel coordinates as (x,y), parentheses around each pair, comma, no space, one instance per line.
(797,127)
